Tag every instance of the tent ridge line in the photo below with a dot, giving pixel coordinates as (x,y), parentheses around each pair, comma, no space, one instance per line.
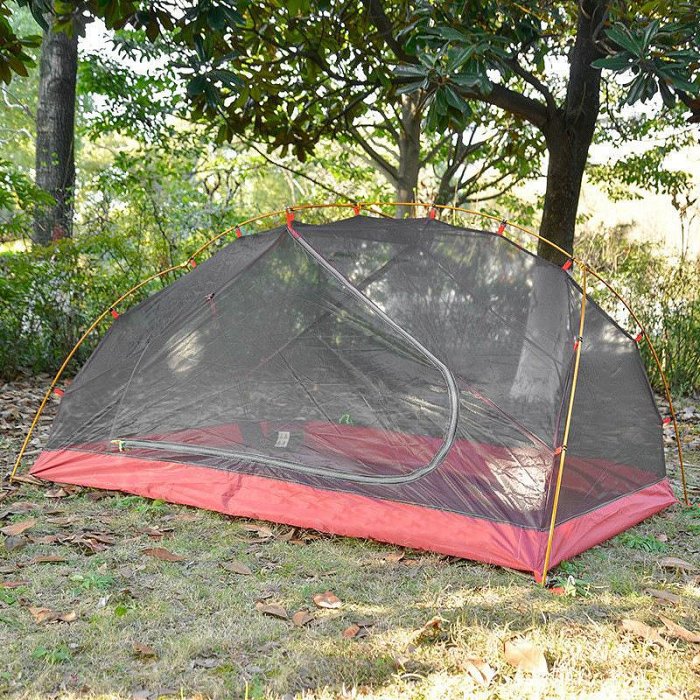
(354,205)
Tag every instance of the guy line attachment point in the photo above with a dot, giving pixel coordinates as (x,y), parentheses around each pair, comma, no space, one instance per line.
(114,312)
(238,231)
(502,227)
(290,216)
(432,212)
(356,209)
(567,265)
(638,338)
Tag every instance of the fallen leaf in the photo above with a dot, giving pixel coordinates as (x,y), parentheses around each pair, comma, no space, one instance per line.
(18,528)
(27,479)
(665,596)
(394,557)
(63,521)
(260,530)
(351,631)
(526,656)
(479,670)
(272,609)
(41,615)
(675,563)
(44,539)
(51,559)
(639,629)
(205,662)
(15,542)
(236,567)
(56,493)
(162,554)
(431,628)
(143,651)
(327,600)
(13,584)
(301,618)
(19,507)
(142,694)
(680,632)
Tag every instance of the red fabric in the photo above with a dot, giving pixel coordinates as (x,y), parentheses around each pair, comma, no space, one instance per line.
(586,531)
(350,514)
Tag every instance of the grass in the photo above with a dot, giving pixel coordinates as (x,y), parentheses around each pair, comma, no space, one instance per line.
(208,639)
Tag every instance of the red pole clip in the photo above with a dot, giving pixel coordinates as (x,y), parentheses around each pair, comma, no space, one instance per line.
(567,265)
(432,212)
(290,217)
(58,391)
(192,263)
(502,227)
(356,209)
(115,314)
(559,450)
(667,420)
(638,337)
(577,342)
(239,233)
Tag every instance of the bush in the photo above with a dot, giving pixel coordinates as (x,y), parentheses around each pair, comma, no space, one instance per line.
(49,296)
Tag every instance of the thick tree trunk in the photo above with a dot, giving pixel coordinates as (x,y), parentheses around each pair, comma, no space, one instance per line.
(567,161)
(569,133)
(409,154)
(55,127)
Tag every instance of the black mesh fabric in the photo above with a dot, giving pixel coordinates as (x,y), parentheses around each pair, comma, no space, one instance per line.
(409,361)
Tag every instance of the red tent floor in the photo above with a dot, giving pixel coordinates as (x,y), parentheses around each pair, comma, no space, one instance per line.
(352,514)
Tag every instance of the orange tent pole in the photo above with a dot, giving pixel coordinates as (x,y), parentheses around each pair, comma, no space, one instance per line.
(567,426)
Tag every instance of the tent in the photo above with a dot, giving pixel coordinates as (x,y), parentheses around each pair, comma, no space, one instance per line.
(410,381)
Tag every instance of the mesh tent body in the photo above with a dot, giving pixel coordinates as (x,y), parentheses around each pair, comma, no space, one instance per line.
(400,380)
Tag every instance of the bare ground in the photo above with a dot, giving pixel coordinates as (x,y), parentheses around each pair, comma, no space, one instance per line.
(87,611)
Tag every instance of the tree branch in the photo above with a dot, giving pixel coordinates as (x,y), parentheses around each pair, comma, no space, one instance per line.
(513,102)
(378,159)
(378,17)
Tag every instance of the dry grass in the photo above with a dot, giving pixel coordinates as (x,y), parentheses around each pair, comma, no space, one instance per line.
(209,639)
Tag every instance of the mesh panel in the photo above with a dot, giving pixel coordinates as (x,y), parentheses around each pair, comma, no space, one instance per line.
(434,373)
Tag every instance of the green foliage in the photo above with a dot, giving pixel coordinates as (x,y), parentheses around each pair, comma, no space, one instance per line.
(15,51)
(460,49)
(19,198)
(660,54)
(644,543)
(60,654)
(92,581)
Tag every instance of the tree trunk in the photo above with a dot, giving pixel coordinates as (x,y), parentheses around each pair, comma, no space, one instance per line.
(569,133)
(409,154)
(567,162)
(55,140)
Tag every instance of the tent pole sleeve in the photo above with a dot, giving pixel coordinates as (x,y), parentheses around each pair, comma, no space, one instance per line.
(567,426)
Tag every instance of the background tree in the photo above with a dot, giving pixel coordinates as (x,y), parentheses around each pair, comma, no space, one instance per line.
(55,130)
(542,63)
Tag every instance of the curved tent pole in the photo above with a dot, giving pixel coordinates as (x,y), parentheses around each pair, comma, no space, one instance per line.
(357,206)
